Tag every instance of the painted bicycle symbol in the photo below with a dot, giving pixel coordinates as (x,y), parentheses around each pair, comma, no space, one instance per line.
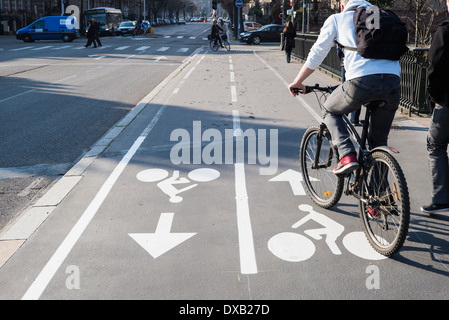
(168,183)
(295,247)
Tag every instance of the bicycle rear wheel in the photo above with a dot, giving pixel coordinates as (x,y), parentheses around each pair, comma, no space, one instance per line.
(385,217)
(214,45)
(322,185)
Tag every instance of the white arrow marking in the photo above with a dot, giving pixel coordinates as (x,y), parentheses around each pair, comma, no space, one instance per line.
(161,58)
(294,178)
(161,241)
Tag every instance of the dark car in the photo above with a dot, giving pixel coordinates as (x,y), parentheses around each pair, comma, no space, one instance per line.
(126,27)
(268,33)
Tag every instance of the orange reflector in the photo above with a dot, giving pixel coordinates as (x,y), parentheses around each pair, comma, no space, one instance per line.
(327,193)
(395,192)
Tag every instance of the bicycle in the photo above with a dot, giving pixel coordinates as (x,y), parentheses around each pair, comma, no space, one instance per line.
(378,183)
(214,45)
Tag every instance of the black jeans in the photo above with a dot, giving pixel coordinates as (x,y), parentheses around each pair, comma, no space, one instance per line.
(437,142)
(350,96)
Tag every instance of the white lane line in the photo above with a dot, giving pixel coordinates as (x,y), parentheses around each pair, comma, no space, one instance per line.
(143,48)
(183,50)
(41,282)
(43,279)
(233,94)
(163,49)
(60,48)
(22,48)
(248,264)
(122,48)
(42,48)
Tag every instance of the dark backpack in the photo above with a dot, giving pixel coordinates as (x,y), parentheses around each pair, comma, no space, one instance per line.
(383,38)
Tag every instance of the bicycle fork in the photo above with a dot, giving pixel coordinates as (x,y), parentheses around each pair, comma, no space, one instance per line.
(319,142)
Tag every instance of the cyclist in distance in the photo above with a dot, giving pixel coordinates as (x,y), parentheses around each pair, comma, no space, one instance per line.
(216,32)
(365,80)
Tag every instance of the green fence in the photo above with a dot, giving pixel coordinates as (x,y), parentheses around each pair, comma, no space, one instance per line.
(413,73)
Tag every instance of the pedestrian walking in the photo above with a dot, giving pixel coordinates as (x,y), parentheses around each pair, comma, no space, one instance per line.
(288,40)
(438,134)
(90,34)
(96,32)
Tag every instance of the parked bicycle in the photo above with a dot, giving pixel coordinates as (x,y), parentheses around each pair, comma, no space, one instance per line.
(378,184)
(215,45)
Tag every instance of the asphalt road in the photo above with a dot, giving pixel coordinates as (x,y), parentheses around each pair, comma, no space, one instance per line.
(57,99)
(177,208)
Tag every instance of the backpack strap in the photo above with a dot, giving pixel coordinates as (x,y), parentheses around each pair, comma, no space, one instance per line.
(340,46)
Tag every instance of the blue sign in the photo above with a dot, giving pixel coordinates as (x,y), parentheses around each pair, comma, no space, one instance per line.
(239,3)
(145,25)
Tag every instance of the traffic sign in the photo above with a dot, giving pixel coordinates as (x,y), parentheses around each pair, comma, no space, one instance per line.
(145,25)
(239,3)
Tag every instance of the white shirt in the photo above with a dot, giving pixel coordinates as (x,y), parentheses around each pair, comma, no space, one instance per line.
(340,27)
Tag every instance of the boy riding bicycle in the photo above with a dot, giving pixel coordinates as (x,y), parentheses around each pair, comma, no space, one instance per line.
(366,80)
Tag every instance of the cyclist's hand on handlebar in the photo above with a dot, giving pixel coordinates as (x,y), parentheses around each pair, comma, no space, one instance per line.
(296,89)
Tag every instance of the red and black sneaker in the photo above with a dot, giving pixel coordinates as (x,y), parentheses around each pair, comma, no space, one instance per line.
(347,164)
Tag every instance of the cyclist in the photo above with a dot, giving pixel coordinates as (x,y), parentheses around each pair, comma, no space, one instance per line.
(216,32)
(365,80)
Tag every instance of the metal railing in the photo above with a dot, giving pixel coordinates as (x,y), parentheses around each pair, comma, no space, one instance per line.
(413,74)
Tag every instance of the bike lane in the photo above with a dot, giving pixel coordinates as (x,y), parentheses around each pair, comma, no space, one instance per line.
(202,230)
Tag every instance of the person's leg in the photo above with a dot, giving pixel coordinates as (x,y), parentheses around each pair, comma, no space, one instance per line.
(389,90)
(437,142)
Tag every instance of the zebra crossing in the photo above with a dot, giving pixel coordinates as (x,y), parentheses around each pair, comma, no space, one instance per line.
(138,48)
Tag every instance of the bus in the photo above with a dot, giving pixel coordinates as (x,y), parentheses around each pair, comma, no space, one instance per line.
(108,18)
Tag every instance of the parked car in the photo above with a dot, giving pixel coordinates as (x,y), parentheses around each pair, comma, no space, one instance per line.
(126,27)
(268,33)
(50,28)
(250,26)
(181,21)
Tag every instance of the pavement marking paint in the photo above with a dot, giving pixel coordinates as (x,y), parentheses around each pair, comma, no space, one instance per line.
(52,266)
(43,279)
(248,264)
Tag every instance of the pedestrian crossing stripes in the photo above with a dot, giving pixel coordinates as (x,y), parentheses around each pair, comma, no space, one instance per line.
(103,48)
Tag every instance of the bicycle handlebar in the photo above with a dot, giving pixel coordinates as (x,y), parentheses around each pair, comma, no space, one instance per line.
(316,87)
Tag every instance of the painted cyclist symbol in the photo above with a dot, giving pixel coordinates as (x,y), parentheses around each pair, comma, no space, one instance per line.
(168,184)
(294,247)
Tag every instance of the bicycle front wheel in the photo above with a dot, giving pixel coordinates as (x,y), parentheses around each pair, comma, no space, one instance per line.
(385,215)
(318,157)
(227,45)
(214,45)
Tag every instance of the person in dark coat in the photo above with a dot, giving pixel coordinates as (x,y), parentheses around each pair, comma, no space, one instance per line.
(288,39)
(438,134)
(96,32)
(90,34)
(216,32)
